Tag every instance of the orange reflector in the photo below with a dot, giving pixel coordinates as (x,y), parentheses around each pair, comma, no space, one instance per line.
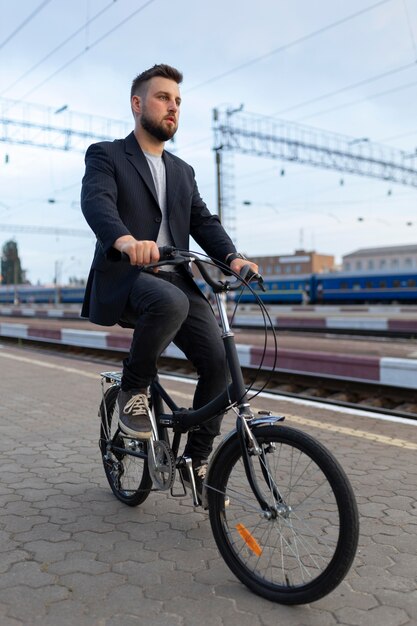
(249,539)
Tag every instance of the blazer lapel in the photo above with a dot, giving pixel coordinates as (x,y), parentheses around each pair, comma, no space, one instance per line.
(137,158)
(173,179)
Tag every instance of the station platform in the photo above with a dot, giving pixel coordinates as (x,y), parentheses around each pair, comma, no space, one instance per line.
(372,319)
(71,554)
(386,370)
(363,319)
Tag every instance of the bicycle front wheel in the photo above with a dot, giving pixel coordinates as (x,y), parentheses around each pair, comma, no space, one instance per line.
(301,548)
(127,473)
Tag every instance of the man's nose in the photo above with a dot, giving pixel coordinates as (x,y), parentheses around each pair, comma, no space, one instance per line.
(173,106)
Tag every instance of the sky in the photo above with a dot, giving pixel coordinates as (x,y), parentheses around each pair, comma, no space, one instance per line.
(339,67)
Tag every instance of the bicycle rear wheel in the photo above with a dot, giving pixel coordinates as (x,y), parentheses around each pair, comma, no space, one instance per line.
(307,546)
(127,474)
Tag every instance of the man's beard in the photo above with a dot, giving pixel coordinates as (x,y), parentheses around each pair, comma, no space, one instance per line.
(156,130)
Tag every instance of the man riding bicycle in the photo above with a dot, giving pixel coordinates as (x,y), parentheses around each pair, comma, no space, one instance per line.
(137,197)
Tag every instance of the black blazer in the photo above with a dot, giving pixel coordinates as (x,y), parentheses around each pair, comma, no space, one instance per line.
(118,197)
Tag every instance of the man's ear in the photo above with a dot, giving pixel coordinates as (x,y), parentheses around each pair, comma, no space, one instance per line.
(136,104)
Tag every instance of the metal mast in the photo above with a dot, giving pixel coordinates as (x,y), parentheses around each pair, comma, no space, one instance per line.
(61,129)
(257,135)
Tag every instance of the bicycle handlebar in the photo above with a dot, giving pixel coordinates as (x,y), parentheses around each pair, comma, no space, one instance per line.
(165,254)
(169,255)
(245,275)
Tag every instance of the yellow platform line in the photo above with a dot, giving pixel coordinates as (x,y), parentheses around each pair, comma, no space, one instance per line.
(54,366)
(343,430)
(353,432)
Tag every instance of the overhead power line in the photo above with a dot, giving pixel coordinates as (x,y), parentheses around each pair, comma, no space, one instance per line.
(61,45)
(360,83)
(46,230)
(89,47)
(23,24)
(353,102)
(286,46)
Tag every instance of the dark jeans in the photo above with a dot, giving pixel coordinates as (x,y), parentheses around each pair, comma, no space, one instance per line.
(167,307)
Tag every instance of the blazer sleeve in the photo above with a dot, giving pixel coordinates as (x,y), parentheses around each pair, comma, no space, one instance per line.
(207,229)
(99,197)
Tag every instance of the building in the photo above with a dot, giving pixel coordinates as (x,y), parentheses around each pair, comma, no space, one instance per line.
(383,259)
(301,262)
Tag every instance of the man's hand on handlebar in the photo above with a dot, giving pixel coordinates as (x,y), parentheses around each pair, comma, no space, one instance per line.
(146,254)
(139,252)
(248,271)
(237,264)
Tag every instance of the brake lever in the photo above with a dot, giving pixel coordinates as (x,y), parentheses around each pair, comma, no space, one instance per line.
(249,275)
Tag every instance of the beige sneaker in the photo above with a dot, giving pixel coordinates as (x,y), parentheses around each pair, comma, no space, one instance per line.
(134,417)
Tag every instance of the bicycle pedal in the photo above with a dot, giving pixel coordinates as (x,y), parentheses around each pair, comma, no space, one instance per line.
(186,473)
(179,495)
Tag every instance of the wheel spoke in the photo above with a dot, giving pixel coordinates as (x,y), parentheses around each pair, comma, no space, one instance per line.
(126,472)
(288,553)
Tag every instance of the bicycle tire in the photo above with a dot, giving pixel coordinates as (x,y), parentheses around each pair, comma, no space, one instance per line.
(128,476)
(307,550)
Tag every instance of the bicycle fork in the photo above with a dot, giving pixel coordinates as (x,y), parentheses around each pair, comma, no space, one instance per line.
(249,453)
(249,445)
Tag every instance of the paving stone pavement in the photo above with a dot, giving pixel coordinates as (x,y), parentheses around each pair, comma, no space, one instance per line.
(72,555)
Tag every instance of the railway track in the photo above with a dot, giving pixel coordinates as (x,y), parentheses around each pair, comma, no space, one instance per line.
(348,332)
(373,398)
(395,328)
(394,401)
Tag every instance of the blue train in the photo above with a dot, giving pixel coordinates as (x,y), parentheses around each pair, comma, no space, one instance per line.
(332,288)
(338,288)
(30,294)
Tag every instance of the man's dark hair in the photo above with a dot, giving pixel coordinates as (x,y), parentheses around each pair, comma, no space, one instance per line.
(162,70)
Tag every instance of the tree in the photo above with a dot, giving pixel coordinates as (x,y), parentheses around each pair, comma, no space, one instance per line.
(11,270)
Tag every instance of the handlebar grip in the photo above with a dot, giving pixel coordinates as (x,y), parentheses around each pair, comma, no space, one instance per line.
(247,274)
(165,254)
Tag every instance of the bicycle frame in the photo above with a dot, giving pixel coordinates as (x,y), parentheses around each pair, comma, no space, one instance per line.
(183,420)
